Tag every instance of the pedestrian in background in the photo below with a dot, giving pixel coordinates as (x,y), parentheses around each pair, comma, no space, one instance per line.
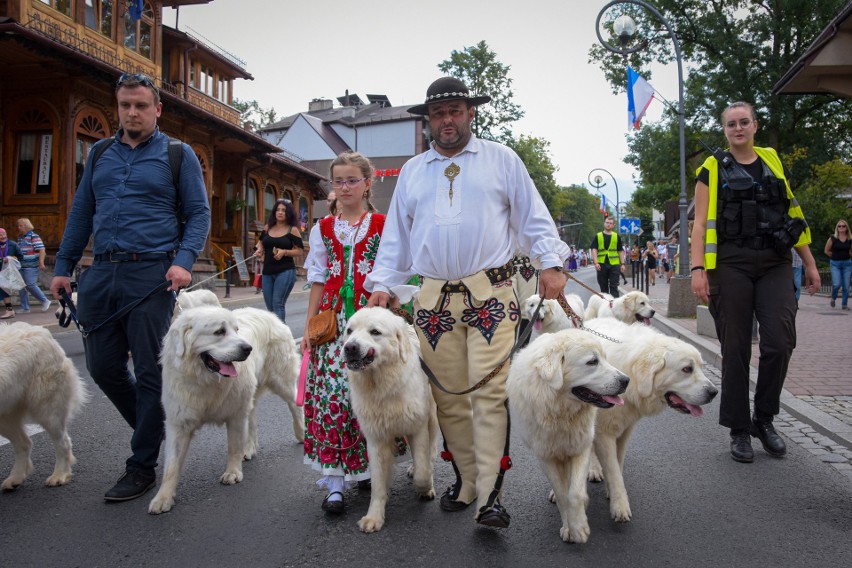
(746,220)
(837,248)
(798,270)
(142,252)
(650,256)
(608,256)
(8,250)
(277,247)
(33,250)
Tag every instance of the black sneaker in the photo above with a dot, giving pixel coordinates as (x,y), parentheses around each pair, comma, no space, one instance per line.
(494,516)
(134,483)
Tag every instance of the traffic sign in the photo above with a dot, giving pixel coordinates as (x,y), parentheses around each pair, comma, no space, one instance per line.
(630,226)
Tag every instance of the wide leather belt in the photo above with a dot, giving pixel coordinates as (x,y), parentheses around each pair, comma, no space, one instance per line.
(494,275)
(121,256)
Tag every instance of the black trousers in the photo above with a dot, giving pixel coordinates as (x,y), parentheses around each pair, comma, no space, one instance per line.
(103,290)
(608,278)
(749,283)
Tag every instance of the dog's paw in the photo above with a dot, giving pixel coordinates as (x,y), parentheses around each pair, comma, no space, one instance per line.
(410,471)
(249,454)
(426,495)
(595,473)
(231,477)
(161,504)
(11,484)
(58,479)
(578,534)
(551,496)
(370,524)
(620,511)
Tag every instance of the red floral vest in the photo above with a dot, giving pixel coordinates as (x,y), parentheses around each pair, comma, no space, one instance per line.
(363,258)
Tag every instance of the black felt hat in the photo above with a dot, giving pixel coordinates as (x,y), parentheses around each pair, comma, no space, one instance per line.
(447,89)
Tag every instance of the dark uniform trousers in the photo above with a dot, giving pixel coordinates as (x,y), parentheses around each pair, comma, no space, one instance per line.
(751,283)
(608,278)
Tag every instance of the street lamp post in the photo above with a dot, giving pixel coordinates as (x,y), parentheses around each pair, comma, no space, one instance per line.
(597,182)
(625,27)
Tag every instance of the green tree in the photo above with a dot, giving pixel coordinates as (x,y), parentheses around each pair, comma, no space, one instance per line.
(574,204)
(823,198)
(253,114)
(477,66)
(734,50)
(535,154)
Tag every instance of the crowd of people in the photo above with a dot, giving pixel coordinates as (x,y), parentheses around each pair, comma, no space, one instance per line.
(461,212)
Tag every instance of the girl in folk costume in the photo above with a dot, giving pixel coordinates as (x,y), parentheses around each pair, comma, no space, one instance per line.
(343,249)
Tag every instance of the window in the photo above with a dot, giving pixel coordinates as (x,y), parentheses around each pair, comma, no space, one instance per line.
(89,128)
(251,202)
(63,6)
(222,92)
(34,165)
(99,16)
(269,197)
(229,196)
(138,34)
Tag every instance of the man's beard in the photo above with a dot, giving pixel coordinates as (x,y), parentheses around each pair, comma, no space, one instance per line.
(456,142)
(133,134)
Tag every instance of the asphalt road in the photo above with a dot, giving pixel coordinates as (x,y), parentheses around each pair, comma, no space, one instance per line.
(692,506)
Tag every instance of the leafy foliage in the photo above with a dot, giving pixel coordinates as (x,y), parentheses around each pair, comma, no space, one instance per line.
(734,50)
(477,66)
(535,154)
(252,113)
(574,204)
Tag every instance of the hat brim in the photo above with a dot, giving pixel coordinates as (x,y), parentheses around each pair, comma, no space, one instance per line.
(423,110)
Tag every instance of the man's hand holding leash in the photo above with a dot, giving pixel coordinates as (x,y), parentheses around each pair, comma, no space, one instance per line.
(179,276)
(551,283)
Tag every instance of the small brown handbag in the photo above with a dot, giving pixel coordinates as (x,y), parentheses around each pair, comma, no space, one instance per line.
(322,328)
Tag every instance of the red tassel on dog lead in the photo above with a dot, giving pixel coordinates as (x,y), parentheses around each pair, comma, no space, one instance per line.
(506,463)
(447,456)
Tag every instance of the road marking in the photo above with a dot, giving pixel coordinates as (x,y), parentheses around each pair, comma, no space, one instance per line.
(32,430)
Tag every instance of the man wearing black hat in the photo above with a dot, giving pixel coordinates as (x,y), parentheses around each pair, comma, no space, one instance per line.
(456,214)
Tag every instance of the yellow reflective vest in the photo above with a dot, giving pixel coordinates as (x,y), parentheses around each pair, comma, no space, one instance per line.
(773,162)
(611,252)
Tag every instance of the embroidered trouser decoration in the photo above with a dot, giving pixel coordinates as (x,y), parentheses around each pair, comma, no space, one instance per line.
(462,340)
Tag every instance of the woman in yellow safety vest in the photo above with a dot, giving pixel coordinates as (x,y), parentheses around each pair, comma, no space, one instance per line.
(746,220)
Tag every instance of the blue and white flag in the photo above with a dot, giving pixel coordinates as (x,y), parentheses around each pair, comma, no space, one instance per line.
(603,203)
(639,95)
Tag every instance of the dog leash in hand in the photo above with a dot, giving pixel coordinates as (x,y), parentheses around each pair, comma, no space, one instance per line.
(577,321)
(86,332)
(434,380)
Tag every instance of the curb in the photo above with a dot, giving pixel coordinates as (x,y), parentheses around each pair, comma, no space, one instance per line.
(826,425)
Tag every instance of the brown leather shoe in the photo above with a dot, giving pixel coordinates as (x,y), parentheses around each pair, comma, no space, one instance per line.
(494,516)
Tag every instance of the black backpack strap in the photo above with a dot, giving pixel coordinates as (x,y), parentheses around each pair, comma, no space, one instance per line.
(99,148)
(175,159)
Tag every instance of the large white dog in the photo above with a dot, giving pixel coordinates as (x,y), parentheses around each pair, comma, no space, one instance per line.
(391,398)
(664,372)
(215,365)
(555,387)
(632,307)
(38,384)
(551,317)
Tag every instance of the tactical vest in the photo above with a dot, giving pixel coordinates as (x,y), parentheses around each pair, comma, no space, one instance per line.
(749,214)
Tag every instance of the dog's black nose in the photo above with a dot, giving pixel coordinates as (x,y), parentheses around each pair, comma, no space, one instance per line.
(623,382)
(712,392)
(246,349)
(350,349)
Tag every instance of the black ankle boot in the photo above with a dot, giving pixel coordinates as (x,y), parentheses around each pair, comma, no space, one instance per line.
(764,430)
(741,446)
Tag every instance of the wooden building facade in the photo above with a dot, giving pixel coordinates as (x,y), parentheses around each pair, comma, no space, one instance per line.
(59,63)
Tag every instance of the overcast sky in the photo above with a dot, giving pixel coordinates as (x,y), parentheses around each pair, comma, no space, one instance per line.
(299,50)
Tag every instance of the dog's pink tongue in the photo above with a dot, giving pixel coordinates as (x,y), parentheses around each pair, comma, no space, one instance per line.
(227,369)
(612,399)
(537,325)
(693,410)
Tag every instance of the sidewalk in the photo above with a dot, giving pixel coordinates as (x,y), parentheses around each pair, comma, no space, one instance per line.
(818,389)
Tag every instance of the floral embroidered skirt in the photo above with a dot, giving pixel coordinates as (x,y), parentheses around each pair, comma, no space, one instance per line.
(333,442)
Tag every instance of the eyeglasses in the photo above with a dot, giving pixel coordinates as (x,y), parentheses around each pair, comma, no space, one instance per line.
(841,226)
(350,183)
(743,123)
(140,78)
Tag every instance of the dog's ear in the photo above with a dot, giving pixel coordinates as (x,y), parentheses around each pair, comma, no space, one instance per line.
(183,341)
(402,343)
(549,366)
(651,363)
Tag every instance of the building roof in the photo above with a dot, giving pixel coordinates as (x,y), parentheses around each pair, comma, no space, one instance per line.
(826,66)
(349,116)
